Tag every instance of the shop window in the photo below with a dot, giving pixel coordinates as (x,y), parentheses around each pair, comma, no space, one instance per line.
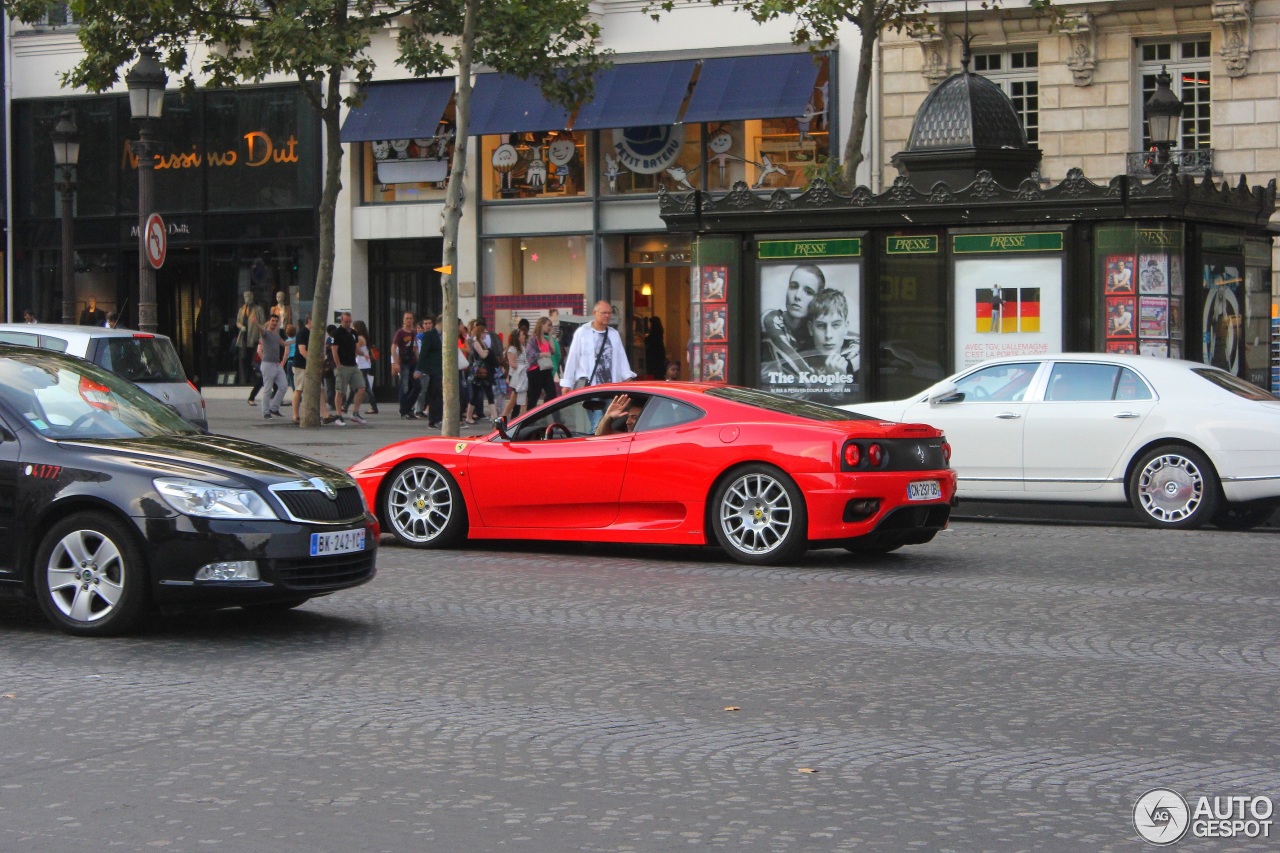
(1016,72)
(532,277)
(406,170)
(641,159)
(1139,268)
(1188,61)
(534,165)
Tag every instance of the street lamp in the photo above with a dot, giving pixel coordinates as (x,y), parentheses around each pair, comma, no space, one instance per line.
(1164,113)
(66,153)
(146,84)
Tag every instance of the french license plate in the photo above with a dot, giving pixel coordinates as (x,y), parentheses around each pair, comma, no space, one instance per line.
(924,490)
(342,542)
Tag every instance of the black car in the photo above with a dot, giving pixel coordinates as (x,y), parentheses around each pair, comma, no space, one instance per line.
(112,506)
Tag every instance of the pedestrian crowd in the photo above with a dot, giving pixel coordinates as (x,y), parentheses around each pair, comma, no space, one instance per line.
(495,379)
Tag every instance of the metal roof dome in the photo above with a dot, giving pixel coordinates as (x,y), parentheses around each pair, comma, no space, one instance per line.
(965,126)
(966,110)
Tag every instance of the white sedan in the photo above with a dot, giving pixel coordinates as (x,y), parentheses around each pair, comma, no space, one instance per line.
(1183,443)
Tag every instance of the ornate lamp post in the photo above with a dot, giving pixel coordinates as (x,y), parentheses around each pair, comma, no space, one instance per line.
(146,84)
(66,153)
(1164,113)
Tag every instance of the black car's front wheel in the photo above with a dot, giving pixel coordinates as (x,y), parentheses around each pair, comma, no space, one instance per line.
(758,516)
(90,576)
(422,506)
(1175,487)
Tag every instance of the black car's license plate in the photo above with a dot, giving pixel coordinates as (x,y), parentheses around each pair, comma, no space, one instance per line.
(341,542)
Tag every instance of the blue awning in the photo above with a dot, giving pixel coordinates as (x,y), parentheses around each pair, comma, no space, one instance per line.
(637,95)
(751,87)
(503,104)
(407,109)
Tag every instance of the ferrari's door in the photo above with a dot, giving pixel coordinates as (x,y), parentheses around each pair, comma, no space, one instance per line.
(554,474)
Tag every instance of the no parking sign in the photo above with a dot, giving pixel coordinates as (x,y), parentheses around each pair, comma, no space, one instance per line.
(155,240)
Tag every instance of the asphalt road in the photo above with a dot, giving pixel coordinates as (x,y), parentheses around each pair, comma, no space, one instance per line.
(1002,688)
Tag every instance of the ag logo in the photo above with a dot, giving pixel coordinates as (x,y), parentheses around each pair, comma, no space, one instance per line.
(648,150)
(1161,816)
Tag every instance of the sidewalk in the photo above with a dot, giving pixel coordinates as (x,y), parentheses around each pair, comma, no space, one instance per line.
(229,414)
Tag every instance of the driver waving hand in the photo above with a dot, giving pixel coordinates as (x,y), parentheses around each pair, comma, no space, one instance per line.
(618,407)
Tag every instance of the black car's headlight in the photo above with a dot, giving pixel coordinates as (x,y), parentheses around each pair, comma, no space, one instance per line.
(206,500)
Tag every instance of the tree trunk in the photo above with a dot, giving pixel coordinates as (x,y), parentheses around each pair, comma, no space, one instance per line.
(329,114)
(450,423)
(869,27)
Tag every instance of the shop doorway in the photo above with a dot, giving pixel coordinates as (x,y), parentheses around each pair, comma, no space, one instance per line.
(653,289)
(179,306)
(402,277)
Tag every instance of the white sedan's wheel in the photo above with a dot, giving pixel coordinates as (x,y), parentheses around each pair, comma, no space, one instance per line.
(423,507)
(1175,487)
(90,577)
(759,516)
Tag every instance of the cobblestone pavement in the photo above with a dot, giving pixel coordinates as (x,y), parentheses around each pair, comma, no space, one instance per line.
(1004,688)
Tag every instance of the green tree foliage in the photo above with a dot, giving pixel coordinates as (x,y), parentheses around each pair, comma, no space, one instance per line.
(321,44)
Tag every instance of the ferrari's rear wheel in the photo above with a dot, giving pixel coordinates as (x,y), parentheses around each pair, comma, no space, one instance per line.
(422,506)
(1175,487)
(758,515)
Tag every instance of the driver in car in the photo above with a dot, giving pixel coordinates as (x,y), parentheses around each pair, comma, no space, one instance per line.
(621,405)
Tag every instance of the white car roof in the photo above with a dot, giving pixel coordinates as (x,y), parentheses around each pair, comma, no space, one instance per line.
(70,331)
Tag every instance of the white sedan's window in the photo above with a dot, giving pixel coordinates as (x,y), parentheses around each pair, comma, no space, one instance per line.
(1000,383)
(1092,383)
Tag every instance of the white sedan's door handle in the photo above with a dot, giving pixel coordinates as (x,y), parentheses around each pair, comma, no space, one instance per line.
(1008,416)
(1126,415)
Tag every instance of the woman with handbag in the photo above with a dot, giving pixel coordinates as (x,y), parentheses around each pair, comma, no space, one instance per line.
(366,354)
(464,371)
(484,362)
(543,359)
(517,372)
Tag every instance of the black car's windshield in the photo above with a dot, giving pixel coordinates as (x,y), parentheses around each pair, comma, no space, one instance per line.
(141,358)
(66,398)
(1234,384)
(786,405)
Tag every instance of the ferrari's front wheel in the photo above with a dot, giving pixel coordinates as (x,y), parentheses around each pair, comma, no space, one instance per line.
(758,515)
(422,506)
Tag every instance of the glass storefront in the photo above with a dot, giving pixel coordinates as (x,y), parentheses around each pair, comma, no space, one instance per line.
(238,181)
(534,165)
(531,277)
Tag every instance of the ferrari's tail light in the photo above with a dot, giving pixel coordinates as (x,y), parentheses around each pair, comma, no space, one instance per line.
(98,396)
(875,455)
(852,455)
(946,452)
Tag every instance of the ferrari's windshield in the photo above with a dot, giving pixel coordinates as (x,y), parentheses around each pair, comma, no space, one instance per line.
(66,398)
(786,405)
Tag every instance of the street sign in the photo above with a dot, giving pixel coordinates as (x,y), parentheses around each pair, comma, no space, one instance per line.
(156,241)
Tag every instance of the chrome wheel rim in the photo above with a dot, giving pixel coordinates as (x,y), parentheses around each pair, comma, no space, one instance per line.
(1171,488)
(86,575)
(419,504)
(756,513)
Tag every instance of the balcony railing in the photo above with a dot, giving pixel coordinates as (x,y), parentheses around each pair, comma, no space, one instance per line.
(1196,161)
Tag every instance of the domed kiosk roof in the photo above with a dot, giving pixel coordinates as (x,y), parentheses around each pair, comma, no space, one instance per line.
(966,110)
(967,125)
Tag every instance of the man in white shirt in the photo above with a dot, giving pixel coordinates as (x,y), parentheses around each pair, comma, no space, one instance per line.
(596,355)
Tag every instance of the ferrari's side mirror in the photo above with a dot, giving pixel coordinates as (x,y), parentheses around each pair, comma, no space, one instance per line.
(500,424)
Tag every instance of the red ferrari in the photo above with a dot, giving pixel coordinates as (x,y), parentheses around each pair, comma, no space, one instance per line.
(764,476)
